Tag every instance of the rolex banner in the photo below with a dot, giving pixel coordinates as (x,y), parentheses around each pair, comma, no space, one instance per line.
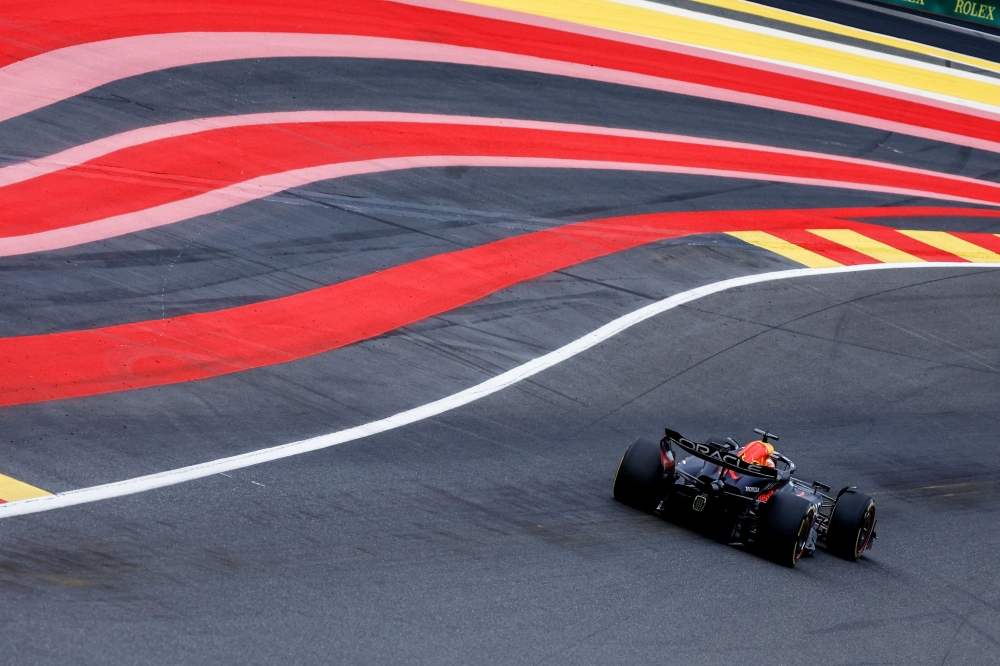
(980,12)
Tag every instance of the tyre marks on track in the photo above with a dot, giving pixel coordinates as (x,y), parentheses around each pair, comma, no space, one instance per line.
(53,51)
(54,75)
(498,383)
(198,346)
(182,176)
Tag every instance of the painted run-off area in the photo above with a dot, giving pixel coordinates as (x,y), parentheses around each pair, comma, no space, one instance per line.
(633,43)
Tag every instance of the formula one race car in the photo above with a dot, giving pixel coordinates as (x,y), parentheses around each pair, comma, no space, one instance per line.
(744,496)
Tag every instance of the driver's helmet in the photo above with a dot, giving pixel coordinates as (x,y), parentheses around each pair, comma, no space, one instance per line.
(757,453)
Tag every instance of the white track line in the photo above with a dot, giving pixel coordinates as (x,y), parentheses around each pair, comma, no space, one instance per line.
(832,46)
(489,387)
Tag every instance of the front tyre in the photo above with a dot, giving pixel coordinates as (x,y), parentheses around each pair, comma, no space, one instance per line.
(783,530)
(852,524)
(639,479)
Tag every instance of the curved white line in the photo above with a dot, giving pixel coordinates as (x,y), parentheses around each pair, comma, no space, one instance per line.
(44,79)
(423,412)
(258,188)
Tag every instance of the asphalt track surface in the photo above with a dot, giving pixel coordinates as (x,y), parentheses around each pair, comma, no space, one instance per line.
(487,534)
(490,535)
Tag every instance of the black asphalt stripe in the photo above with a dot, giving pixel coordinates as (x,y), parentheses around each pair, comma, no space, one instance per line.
(489,535)
(891,20)
(346,228)
(295,84)
(124,434)
(814,33)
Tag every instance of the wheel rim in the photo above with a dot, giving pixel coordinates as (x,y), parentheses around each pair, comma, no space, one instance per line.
(865,533)
(800,543)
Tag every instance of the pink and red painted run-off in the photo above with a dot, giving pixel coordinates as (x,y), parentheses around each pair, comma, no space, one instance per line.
(166,174)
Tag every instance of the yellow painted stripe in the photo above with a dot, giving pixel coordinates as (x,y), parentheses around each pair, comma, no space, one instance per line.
(865,245)
(784,248)
(12,490)
(942,240)
(705,33)
(763,11)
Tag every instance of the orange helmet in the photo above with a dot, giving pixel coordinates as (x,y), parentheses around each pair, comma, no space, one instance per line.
(757,453)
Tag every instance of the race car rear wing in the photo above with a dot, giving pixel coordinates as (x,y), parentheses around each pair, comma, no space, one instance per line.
(719,455)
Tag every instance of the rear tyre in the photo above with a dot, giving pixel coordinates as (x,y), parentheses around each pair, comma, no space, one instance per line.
(851,525)
(639,479)
(784,528)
